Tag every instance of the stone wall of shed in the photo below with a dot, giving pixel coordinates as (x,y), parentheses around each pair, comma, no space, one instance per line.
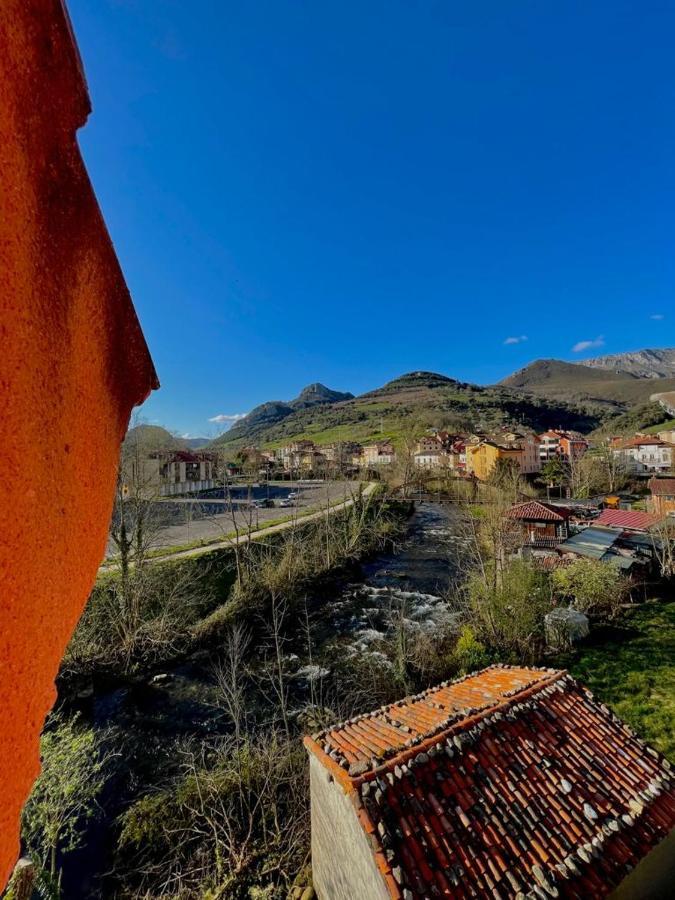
(343,865)
(654,876)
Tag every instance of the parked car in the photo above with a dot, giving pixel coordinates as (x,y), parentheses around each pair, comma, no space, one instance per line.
(286,502)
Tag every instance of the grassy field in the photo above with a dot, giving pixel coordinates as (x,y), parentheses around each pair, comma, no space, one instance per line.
(664,426)
(632,669)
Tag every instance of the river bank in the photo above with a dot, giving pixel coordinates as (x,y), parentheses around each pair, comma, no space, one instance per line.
(147,716)
(216,733)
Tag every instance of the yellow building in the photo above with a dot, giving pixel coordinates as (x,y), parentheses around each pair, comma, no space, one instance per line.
(482,458)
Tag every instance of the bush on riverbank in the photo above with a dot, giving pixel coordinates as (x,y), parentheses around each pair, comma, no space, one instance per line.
(236,815)
(158,611)
(508,608)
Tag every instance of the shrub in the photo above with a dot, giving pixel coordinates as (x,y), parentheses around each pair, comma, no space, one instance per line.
(508,605)
(593,587)
(235,816)
(470,654)
(64,796)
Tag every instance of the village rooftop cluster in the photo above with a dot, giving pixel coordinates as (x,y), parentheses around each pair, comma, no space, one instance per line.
(473,455)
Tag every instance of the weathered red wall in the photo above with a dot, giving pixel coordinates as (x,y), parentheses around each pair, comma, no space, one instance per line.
(73,362)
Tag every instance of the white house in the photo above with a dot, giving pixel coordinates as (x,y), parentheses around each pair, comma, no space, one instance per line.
(380,454)
(431,459)
(642,455)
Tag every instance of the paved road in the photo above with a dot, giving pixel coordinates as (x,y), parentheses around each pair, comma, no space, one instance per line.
(213,527)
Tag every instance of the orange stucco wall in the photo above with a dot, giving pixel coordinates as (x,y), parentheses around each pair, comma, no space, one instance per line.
(73,362)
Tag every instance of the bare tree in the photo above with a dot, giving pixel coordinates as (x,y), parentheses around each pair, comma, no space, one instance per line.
(231,674)
(663,546)
(613,465)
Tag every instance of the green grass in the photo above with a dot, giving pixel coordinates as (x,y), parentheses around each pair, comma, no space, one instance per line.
(632,669)
(363,432)
(664,426)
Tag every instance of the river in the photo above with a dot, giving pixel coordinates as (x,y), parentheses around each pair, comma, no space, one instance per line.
(182,701)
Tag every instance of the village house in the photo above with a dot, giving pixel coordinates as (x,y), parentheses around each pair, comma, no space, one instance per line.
(169,473)
(431,459)
(313,461)
(357,457)
(291,456)
(254,459)
(662,501)
(511,782)
(540,524)
(379,454)
(561,444)
(667,436)
(429,443)
(549,444)
(572,447)
(482,457)
(642,455)
(457,455)
(340,452)
(529,462)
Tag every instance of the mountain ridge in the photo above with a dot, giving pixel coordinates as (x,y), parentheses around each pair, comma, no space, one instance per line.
(274,411)
(646,363)
(412,401)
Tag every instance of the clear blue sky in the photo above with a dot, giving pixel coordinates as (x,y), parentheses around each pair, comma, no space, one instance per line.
(345,191)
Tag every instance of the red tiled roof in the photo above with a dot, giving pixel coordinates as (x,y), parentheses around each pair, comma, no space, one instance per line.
(644,442)
(509,782)
(626,518)
(534,509)
(662,486)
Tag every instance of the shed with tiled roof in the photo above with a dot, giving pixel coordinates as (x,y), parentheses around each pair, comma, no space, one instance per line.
(540,524)
(509,783)
(535,510)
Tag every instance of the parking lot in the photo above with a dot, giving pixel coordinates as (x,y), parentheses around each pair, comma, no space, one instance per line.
(178,522)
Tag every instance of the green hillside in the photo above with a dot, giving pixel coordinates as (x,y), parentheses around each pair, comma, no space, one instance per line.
(597,389)
(154,437)
(647,417)
(418,399)
(667,425)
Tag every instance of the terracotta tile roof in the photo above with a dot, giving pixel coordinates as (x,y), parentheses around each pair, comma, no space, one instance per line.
(535,509)
(512,782)
(626,518)
(645,441)
(661,487)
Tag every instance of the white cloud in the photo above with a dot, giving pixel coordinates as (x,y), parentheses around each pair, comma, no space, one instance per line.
(222,418)
(516,340)
(580,346)
(657,317)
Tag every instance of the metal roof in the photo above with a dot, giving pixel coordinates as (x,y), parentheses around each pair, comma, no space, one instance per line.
(592,542)
(627,518)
